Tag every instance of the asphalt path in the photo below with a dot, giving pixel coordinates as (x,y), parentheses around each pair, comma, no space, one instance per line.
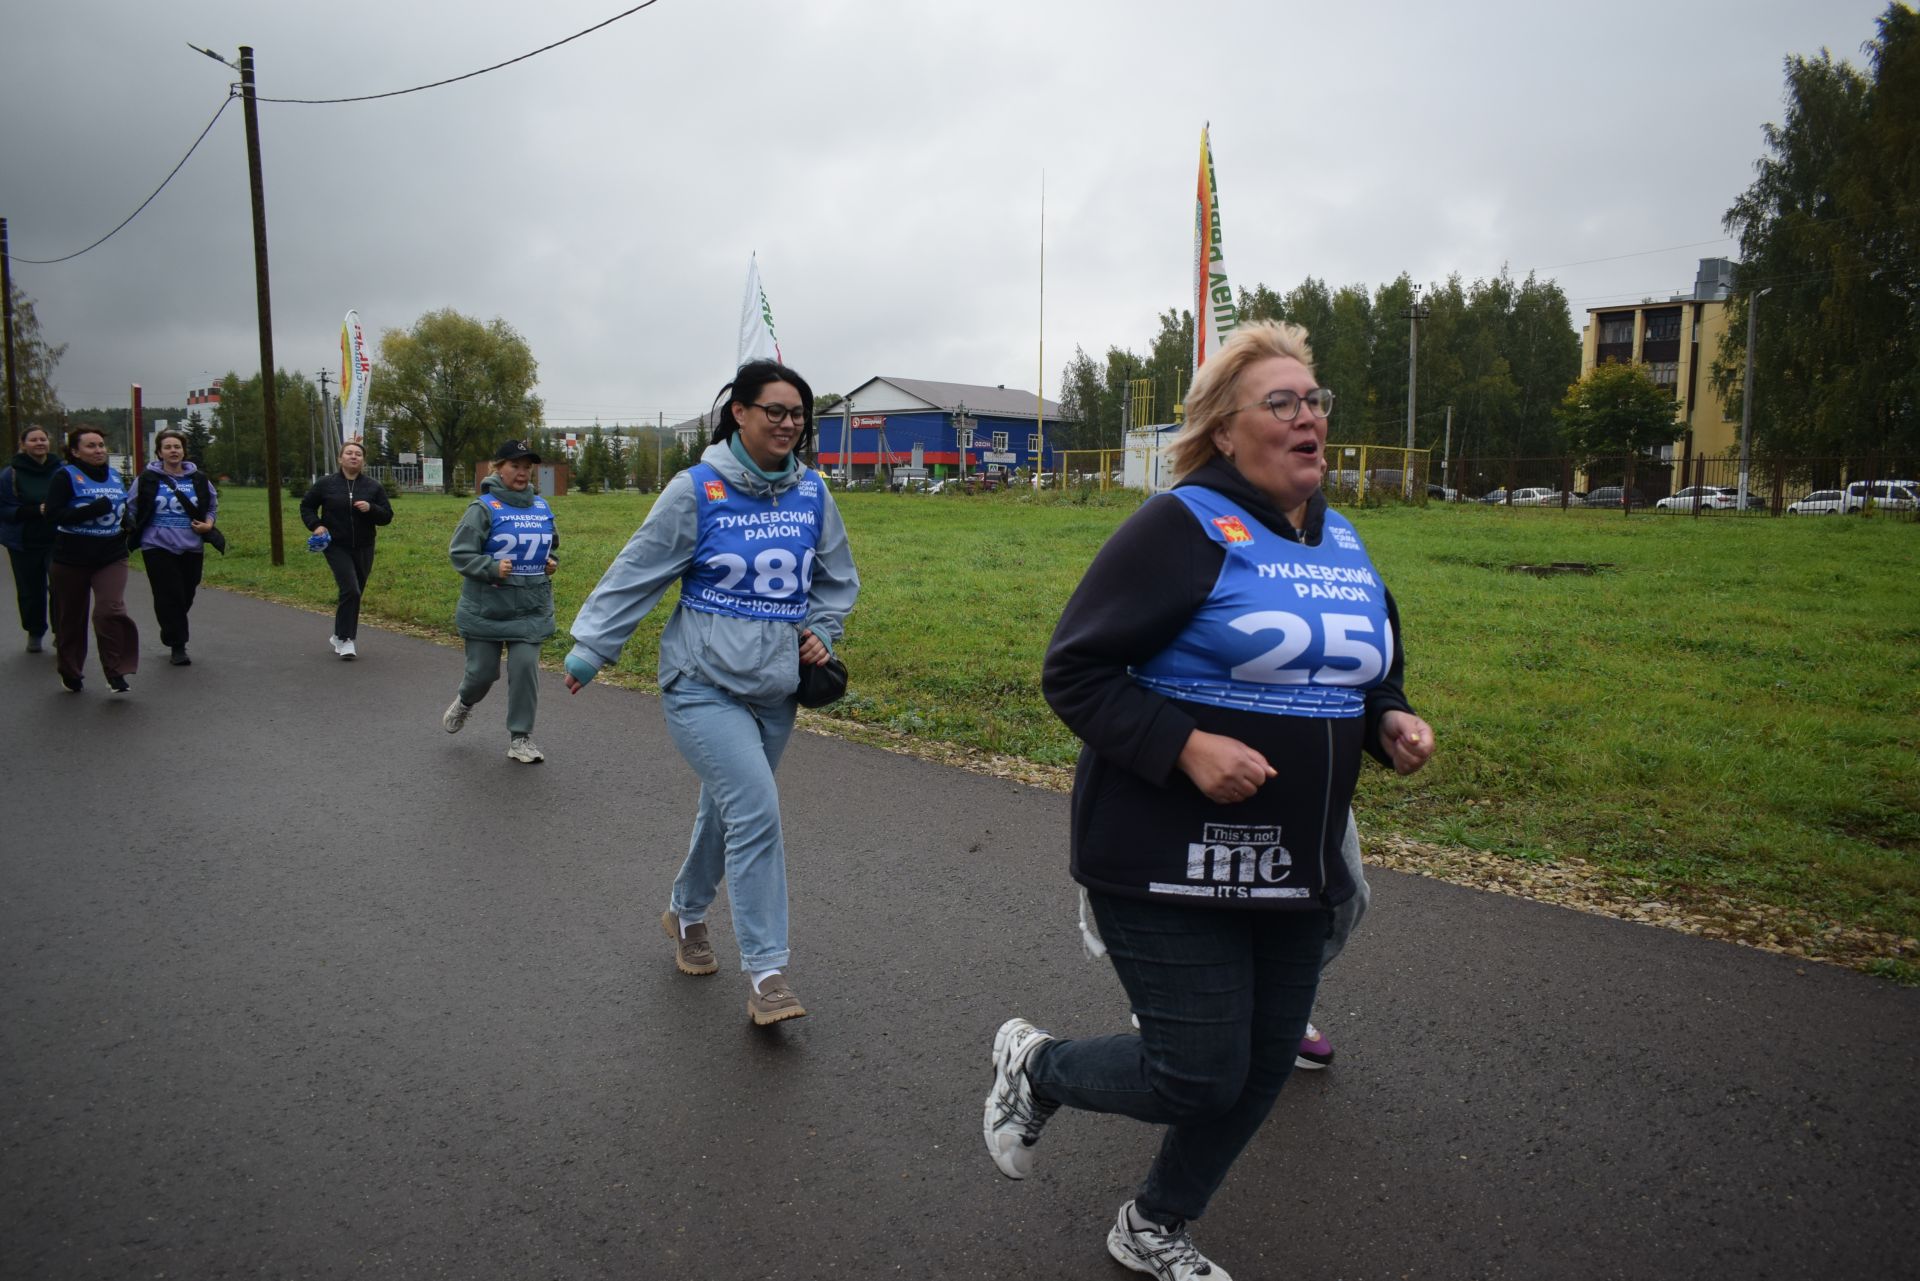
(298,985)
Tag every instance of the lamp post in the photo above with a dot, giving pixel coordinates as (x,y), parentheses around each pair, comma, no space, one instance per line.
(1746,397)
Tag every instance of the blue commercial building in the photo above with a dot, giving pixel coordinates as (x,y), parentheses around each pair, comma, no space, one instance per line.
(911,426)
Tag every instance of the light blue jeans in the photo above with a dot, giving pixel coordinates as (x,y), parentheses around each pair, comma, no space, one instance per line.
(734,747)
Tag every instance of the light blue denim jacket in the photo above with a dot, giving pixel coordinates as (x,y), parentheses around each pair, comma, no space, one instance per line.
(754,660)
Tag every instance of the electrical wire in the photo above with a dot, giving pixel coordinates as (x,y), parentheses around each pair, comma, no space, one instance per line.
(369,97)
(48,262)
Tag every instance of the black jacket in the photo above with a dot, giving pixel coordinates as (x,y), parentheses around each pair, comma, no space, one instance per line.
(1137,819)
(80,549)
(330,502)
(23,487)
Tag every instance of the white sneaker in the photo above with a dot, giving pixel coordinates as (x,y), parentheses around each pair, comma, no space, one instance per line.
(1013,1116)
(344,649)
(455,717)
(335,642)
(1165,1252)
(523,749)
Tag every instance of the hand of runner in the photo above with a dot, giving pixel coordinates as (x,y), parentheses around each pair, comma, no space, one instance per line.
(1225,769)
(1407,740)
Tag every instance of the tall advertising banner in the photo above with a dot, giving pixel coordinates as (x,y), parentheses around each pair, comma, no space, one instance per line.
(757,341)
(1214,316)
(356,375)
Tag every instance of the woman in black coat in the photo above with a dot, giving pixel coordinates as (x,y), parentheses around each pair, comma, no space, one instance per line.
(348,507)
(1229,658)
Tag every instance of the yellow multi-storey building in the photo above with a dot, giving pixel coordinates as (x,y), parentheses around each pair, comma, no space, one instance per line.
(1676,340)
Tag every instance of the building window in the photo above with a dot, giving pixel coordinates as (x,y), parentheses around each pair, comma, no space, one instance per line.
(999,442)
(1033,443)
(1615,330)
(1666,373)
(1663,326)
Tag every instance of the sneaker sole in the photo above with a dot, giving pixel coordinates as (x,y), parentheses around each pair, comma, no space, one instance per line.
(761,1019)
(1308,1065)
(666,924)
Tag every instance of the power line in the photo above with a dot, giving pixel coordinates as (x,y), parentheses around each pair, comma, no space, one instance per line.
(48,262)
(369,97)
(1638,253)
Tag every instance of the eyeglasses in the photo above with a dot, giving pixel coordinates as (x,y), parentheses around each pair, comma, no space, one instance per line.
(1285,405)
(777,414)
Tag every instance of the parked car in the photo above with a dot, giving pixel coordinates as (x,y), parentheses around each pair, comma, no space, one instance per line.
(1615,496)
(1821,502)
(1889,495)
(1536,498)
(1712,498)
(1442,493)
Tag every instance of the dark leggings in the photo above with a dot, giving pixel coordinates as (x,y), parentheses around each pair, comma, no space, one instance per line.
(174,578)
(30,572)
(351,567)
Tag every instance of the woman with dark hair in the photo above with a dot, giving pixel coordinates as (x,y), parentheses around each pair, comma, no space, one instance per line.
(766,579)
(85,502)
(1226,660)
(25,531)
(347,507)
(173,523)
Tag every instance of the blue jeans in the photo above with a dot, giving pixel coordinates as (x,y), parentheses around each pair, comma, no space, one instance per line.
(1223,999)
(734,747)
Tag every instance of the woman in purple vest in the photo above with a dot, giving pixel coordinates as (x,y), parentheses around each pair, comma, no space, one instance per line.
(85,502)
(1227,659)
(174,505)
(766,578)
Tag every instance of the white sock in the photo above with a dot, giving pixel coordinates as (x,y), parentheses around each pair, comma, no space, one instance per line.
(761,976)
(1140,1222)
(684,922)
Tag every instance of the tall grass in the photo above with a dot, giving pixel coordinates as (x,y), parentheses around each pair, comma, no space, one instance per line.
(1725,706)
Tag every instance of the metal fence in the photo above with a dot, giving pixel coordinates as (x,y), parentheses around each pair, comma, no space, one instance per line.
(1378,475)
(1699,486)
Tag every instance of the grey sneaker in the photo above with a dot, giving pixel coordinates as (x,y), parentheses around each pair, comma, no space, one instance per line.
(454,719)
(692,954)
(1167,1252)
(773,1001)
(1013,1116)
(525,750)
(345,648)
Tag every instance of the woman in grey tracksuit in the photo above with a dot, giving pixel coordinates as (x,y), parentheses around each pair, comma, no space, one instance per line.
(504,548)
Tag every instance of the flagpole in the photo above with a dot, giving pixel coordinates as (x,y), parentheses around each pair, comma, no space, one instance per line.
(1040,382)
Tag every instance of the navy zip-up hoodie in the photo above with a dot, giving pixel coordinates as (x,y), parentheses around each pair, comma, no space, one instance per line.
(1140,826)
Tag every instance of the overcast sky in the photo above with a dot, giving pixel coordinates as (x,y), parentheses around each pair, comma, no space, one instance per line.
(884,158)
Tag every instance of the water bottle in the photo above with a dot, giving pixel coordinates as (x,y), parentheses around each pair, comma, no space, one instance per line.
(318,543)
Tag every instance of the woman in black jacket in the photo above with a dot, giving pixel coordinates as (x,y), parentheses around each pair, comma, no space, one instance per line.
(347,507)
(25,530)
(1226,660)
(86,500)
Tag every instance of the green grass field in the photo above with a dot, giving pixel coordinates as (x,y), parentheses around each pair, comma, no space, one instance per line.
(1727,707)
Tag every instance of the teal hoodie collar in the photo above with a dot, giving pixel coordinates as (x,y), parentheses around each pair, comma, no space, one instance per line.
(746,460)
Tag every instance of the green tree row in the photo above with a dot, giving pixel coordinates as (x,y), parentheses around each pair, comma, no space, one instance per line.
(1500,352)
(1830,246)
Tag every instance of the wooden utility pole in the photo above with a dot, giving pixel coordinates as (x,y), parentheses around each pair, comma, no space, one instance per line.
(270,410)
